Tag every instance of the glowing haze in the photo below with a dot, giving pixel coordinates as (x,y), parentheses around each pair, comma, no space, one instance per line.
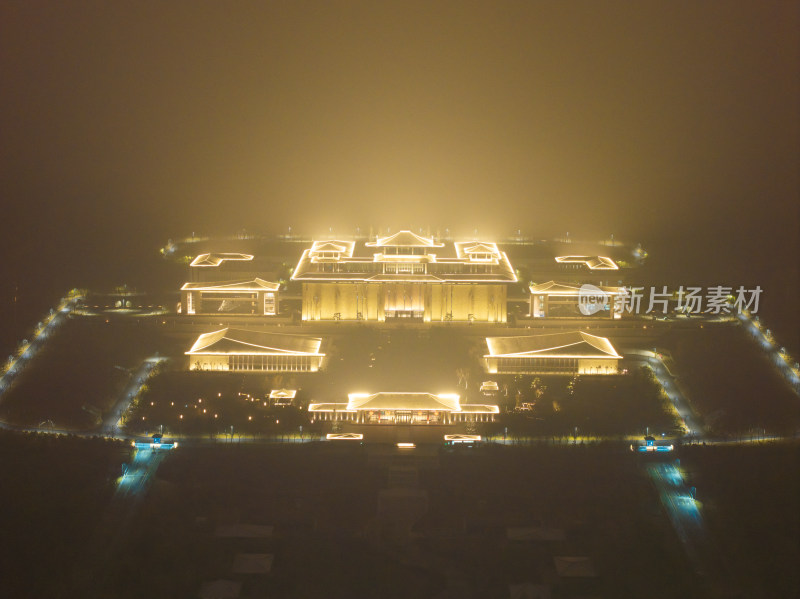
(652,121)
(589,117)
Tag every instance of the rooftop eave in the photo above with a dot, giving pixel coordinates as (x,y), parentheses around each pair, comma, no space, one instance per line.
(541,355)
(251,353)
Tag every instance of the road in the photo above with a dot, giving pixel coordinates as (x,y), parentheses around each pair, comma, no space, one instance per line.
(139,473)
(682,509)
(669,382)
(116,521)
(686,516)
(110,425)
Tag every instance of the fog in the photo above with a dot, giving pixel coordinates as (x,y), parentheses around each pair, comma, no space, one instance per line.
(670,123)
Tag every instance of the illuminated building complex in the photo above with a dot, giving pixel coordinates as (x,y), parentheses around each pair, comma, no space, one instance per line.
(404,276)
(218,266)
(590,262)
(554,353)
(255,351)
(403,408)
(562,300)
(257,297)
(228,283)
(282,397)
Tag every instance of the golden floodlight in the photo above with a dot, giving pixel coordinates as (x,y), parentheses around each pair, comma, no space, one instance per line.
(570,353)
(216,259)
(404,276)
(591,262)
(462,438)
(250,351)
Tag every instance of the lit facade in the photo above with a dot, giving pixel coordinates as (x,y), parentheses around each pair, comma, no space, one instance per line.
(403,408)
(563,300)
(215,260)
(404,276)
(238,350)
(255,297)
(224,266)
(282,397)
(589,262)
(555,353)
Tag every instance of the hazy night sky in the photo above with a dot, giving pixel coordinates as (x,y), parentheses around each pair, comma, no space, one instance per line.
(141,120)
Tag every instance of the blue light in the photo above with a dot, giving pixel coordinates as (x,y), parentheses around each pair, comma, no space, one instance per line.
(654,448)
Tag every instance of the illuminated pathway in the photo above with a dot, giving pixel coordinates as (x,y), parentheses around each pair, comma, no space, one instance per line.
(138,475)
(681,507)
(668,382)
(685,515)
(117,520)
(779,357)
(111,423)
(28,350)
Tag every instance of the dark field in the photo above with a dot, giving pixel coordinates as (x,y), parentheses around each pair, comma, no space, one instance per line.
(54,490)
(79,373)
(444,529)
(750,496)
(607,406)
(209,403)
(369,521)
(732,384)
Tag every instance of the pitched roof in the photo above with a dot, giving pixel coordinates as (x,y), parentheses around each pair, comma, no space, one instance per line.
(240,341)
(552,345)
(218,258)
(400,401)
(344,436)
(404,239)
(553,288)
(591,262)
(250,285)
(403,401)
(465,248)
(479,408)
(331,246)
(375,265)
(602,263)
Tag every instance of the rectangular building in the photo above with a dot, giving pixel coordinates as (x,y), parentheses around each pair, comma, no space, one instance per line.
(255,297)
(403,408)
(222,266)
(238,350)
(565,300)
(404,276)
(553,353)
